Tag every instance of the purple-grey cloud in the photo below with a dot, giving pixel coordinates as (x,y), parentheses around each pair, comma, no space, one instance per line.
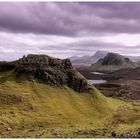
(70,18)
(64,29)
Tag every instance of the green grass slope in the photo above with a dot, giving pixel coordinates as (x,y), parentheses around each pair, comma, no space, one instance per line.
(33,109)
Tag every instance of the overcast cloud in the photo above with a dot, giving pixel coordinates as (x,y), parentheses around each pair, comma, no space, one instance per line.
(66,29)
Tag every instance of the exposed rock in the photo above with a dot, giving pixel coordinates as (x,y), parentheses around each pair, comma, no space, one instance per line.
(113,134)
(9,129)
(50,70)
(6,66)
(128,135)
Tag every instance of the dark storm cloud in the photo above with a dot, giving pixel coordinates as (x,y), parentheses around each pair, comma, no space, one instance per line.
(32,17)
(122,10)
(65,29)
(70,18)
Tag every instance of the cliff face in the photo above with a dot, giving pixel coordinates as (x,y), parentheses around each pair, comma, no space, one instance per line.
(50,70)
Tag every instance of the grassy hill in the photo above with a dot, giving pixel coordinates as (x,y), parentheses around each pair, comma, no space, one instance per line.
(33,109)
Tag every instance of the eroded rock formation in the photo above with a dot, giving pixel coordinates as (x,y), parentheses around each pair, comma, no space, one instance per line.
(50,70)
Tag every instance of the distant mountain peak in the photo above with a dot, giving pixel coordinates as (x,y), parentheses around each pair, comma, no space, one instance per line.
(112,62)
(115,59)
(87,59)
(100,54)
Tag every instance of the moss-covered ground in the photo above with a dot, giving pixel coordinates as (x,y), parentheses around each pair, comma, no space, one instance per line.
(33,109)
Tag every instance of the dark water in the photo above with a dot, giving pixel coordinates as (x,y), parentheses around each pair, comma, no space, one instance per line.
(95,82)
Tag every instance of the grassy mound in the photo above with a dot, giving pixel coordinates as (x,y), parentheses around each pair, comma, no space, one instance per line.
(33,109)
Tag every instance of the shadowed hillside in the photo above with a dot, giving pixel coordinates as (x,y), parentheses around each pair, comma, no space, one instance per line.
(113,62)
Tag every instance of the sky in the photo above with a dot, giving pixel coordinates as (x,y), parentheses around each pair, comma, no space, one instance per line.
(65,29)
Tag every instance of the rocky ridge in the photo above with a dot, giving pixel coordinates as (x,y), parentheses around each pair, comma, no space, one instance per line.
(50,70)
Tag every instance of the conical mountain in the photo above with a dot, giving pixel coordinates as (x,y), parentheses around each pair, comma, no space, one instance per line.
(112,62)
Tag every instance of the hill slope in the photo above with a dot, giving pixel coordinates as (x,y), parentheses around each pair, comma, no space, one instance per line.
(34,109)
(41,96)
(113,62)
(30,105)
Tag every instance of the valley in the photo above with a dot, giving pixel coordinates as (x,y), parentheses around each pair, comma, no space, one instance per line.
(118,76)
(121,84)
(46,97)
(69,69)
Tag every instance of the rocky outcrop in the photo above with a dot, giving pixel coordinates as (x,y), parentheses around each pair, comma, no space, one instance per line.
(6,66)
(51,71)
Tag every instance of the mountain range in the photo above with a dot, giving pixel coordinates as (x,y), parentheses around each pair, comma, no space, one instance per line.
(87,60)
